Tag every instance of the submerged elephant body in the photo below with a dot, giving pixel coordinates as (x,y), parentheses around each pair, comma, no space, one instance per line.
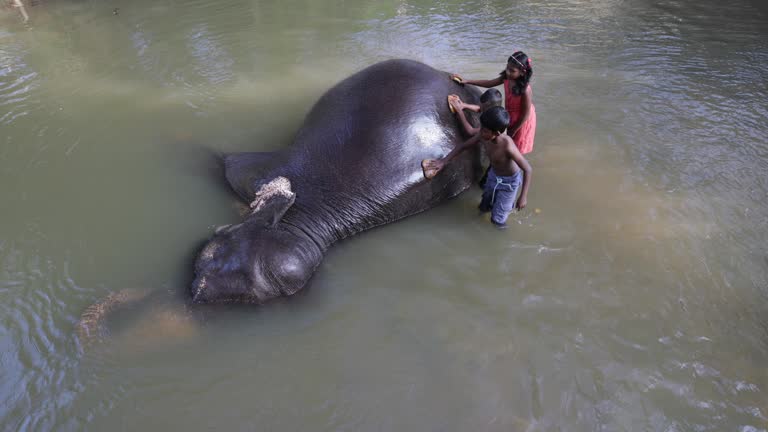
(355,164)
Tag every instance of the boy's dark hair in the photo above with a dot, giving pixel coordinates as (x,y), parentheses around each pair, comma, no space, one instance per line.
(495,119)
(491,96)
(520,61)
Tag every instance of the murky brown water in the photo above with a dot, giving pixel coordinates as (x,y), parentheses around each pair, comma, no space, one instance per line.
(634,300)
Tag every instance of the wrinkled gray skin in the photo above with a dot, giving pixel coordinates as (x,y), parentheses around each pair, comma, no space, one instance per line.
(355,164)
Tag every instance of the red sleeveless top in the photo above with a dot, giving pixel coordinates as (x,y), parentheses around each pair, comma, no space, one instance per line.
(514,105)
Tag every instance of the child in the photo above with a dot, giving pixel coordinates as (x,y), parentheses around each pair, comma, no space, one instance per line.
(18,4)
(518,99)
(489,99)
(506,165)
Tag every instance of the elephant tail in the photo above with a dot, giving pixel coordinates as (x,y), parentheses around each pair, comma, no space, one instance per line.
(91,328)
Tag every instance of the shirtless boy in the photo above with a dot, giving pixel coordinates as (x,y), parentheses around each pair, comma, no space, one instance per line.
(489,99)
(508,167)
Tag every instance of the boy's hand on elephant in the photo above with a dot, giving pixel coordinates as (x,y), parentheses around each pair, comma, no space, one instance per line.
(457,78)
(431,167)
(455,102)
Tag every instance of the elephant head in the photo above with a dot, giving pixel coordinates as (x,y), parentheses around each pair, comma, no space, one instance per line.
(258,259)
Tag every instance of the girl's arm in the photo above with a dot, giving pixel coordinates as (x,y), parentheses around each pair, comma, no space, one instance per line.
(499,80)
(525,110)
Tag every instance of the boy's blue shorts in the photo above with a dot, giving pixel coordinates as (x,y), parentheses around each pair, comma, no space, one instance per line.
(500,195)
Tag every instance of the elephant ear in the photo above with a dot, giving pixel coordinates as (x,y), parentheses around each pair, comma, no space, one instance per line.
(246,170)
(272,200)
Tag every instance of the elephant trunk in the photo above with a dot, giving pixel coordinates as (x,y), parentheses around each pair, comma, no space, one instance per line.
(91,328)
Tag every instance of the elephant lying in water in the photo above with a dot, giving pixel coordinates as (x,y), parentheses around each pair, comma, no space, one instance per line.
(355,164)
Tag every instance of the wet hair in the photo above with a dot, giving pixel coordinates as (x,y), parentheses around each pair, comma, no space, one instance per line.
(492,97)
(495,119)
(520,60)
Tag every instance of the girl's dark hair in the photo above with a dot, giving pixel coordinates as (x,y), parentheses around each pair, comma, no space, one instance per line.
(520,61)
(495,119)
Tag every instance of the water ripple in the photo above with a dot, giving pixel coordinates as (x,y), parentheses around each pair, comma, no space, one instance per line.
(39,350)
(17,85)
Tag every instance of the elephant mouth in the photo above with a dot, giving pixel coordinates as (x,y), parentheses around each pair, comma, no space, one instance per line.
(208,290)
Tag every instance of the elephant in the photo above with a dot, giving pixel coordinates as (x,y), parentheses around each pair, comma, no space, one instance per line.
(354,164)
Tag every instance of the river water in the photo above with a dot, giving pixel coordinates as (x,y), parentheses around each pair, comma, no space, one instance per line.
(630,295)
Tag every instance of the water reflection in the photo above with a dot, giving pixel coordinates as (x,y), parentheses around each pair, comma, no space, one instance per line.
(17,81)
(214,62)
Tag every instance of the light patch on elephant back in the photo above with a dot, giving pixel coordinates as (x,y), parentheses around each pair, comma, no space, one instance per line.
(280,186)
(427,133)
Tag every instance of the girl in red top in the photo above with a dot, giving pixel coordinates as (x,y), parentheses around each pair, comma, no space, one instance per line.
(518,99)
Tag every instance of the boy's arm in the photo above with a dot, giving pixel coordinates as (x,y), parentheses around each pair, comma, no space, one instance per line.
(431,167)
(468,128)
(473,108)
(461,147)
(516,156)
